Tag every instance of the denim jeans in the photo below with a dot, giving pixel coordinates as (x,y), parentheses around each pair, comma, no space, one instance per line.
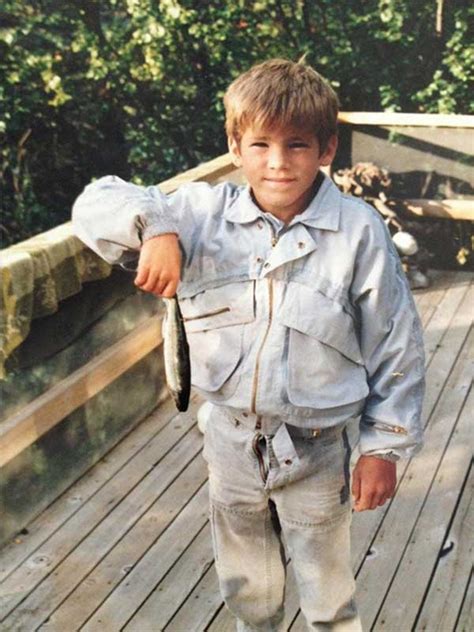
(273,487)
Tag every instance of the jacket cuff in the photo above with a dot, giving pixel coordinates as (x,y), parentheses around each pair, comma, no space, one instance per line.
(154,230)
(389,455)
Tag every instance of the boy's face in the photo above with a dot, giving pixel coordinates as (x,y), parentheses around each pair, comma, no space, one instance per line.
(280,166)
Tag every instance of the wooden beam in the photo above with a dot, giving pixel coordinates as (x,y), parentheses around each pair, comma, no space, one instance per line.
(36,418)
(206,172)
(407,119)
(449,209)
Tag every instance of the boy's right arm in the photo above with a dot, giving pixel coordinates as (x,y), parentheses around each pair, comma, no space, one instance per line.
(123,222)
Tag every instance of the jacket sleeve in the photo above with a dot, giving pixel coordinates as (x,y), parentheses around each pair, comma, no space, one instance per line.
(391,341)
(114,217)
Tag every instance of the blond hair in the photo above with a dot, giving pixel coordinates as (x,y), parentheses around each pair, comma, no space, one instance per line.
(282,94)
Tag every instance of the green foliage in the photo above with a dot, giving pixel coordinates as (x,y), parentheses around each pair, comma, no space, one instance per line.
(134,87)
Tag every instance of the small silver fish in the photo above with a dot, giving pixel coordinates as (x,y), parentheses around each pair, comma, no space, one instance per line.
(176,355)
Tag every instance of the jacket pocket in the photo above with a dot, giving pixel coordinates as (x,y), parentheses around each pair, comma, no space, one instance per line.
(214,320)
(325,365)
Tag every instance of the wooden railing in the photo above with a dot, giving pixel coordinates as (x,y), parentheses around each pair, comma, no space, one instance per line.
(25,427)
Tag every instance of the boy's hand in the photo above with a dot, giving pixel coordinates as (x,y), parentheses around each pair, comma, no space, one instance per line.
(373,482)
(159,265)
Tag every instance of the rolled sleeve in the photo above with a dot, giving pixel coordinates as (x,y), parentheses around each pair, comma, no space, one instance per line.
(391,343)
(114,217)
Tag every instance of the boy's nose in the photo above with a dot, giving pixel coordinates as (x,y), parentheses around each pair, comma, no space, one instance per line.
(277,158)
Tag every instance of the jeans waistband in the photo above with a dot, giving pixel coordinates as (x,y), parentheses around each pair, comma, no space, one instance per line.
(269,426)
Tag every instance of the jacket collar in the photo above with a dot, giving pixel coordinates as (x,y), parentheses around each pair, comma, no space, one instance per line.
(322,212)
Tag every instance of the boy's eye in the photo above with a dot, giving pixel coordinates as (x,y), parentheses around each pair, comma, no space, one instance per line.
(259,144)
(298,145)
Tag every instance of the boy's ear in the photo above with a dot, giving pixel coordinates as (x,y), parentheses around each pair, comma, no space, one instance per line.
(330,151)
(234,149)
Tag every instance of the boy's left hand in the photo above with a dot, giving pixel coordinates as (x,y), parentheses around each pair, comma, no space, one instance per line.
(373,482)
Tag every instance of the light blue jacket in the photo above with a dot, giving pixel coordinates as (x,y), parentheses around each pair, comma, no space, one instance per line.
(312,322)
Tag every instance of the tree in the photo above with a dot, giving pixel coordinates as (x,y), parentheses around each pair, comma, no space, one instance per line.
(134,87)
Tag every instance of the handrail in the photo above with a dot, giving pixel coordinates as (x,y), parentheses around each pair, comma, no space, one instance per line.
(43,413)
(407,119)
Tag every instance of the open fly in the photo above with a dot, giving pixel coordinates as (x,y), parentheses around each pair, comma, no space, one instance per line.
(176,355)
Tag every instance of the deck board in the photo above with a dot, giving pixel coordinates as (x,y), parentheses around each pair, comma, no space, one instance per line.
(128,546)
(445,596)
(420,556)
(465,619)
(117,563)
(69,503)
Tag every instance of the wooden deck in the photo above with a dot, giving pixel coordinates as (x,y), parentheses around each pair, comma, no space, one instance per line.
(128,546)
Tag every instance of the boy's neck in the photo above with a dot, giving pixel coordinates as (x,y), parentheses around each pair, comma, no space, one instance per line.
(287,218)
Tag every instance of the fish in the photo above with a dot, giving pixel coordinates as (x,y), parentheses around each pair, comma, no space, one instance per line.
(176,355)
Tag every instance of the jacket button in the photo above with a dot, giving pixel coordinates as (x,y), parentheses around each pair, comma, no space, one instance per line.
(288,461)
(259,259)
(301,244)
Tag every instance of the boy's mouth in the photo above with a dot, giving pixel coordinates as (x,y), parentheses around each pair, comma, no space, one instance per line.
(280,180)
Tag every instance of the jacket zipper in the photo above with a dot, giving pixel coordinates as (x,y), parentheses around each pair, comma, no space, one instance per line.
(214,313)
(380,425)
(253,406)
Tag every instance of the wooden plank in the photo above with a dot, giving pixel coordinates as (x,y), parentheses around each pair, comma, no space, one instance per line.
(441,209)
(113,568)
(405,595)
(440,357)
(35,419)
(446,310)
(446,592)
(200,606)
(465,622)
(71,501)
(50,593)
(427,300)
(44,560)
(407,119)
(378,568)
(165,600)
(120,607)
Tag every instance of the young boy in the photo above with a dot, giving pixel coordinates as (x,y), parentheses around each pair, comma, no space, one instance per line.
(299,319)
